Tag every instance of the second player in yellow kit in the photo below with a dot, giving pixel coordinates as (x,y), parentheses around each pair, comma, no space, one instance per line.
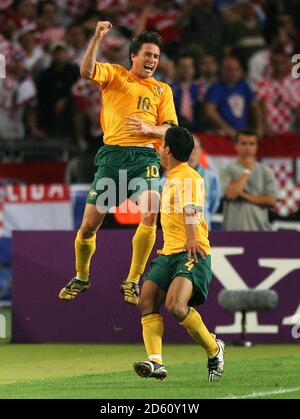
(136,112)
(179,278)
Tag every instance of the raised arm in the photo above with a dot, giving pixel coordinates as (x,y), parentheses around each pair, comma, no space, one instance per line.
(236,187)
(89,59)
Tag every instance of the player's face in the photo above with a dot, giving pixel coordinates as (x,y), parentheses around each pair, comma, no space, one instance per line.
(144,63)
(247,146)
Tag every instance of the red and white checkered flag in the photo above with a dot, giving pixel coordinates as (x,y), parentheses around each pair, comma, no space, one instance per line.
(288,191)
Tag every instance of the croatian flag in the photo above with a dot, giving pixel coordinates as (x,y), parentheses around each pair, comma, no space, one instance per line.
(35,207)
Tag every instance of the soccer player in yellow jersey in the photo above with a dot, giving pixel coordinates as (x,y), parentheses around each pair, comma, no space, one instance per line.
(180,276)
(136,112)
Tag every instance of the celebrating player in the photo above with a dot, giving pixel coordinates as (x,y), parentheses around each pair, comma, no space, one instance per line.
(180,276)
(136,112)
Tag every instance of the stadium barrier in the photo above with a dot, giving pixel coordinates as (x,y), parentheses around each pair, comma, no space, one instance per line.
(43,262)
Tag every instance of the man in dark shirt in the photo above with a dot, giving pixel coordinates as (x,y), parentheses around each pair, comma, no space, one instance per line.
(54,91)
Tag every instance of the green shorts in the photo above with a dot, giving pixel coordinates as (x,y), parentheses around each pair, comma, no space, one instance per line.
(123,172)
(167,267)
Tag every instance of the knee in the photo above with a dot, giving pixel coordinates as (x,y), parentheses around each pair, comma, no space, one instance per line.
(145,305)
(149,218)
(177,310)
(87,231)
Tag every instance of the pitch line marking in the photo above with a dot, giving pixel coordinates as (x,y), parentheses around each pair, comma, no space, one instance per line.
(267,393)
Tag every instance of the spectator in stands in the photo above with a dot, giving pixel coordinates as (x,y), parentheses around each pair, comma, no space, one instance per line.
(48,25)
(123,13)
(186,93)
(202,26)
(284,37)
(248,188)
(71,10)
(211,182)
(89,22)
(54,90)
(259,65)
(245,37)
(27,10)
(75,37)
(18,102)
(161,16)
(279,96)
(229,101)
(36,58)
(114,50)
(208,74)
(229,13)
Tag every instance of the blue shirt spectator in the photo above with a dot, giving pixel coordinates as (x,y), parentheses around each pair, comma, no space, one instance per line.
(229,101)
(232,102)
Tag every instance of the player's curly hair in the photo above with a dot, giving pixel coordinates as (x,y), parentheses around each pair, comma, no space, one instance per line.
(146,37)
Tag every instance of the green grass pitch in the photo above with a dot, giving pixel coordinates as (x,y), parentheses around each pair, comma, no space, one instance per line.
(105,371)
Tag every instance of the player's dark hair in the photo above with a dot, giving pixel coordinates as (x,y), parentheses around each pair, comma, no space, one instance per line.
(180,141)
(250,132)
(146,37)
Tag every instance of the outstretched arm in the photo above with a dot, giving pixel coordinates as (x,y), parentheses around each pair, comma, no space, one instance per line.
(89,59)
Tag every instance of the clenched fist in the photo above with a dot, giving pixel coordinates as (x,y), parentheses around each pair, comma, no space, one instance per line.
(102,29)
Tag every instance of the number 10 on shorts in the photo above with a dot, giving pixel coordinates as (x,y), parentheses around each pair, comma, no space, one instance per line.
(152,171)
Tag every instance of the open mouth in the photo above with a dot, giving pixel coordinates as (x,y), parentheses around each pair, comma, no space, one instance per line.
(148,67)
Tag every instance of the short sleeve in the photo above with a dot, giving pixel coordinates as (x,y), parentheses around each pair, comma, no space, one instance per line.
(104,73)
(166,109)
(270,183)
(193,193)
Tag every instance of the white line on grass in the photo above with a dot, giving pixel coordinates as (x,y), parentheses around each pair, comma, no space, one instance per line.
(267,393)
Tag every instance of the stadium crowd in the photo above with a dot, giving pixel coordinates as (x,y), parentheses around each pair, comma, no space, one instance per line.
(228,63)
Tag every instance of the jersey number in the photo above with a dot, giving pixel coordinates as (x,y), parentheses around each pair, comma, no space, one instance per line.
(152,171)
(143,103)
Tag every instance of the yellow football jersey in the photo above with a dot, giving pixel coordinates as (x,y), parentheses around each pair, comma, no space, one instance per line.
(183,187)
(124,94)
